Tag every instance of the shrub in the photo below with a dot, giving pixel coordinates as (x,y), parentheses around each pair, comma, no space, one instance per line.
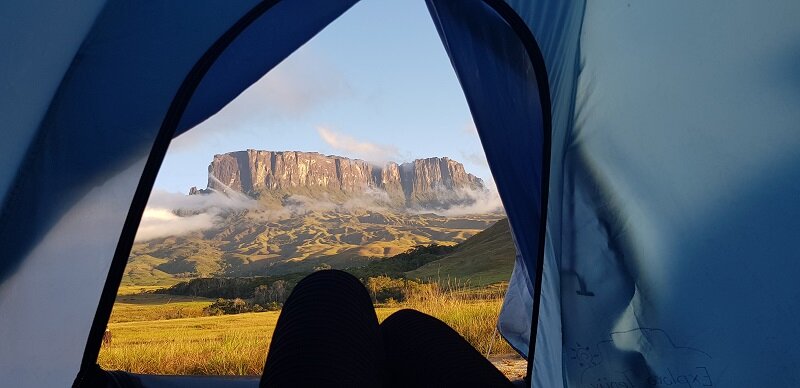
(384,289)
(238,306)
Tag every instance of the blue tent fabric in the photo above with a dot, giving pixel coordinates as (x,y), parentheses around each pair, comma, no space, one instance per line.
(683,195)
(557,27)
(500,83)
(34,58)
(510,117)
(673,195)
(66,208)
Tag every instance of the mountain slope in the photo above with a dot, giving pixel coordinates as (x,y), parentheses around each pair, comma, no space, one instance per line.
(246,243)
(485,258)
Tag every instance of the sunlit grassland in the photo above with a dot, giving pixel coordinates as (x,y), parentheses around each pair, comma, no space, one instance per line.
(153,307)
(237,344)
(471,312)
(219,345)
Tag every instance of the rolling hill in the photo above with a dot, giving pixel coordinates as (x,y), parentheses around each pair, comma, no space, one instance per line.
(485,258)
(244,244)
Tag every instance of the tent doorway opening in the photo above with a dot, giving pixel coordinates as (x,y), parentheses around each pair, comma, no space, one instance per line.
(357,152)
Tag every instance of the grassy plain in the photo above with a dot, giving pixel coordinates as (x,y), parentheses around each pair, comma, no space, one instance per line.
(148,336)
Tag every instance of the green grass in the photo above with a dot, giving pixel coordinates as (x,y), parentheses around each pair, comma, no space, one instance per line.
(483,259)
(142,271)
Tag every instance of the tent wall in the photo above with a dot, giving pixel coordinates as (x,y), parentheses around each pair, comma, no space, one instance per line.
(683,179)
(40,38)
(81,187)
(673,213)
(62,221)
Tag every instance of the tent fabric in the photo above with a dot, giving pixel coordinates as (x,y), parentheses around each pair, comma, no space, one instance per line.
(67,206)
(673,208)
(557,26)
(38,45)
(500,83)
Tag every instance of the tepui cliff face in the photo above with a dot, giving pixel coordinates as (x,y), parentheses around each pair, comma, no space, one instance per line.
(432,182)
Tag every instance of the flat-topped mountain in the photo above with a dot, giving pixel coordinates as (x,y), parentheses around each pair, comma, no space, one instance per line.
(423,183)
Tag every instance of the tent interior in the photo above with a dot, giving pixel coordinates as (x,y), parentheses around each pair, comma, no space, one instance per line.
(645,153)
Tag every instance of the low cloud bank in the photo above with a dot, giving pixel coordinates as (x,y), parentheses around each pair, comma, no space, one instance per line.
(456,203)
(465,201)
(175,214)
(297,205)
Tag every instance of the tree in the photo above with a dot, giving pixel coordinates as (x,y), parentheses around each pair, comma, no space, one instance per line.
(279,288)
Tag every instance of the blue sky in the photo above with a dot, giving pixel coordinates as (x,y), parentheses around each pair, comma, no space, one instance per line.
(376,84)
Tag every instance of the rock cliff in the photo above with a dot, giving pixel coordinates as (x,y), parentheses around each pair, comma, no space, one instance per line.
(431,182)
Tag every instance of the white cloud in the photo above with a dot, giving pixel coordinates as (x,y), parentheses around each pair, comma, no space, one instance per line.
(466,202)
(476,158)
(371,199)
(174,214)
(470,128)
(157,223)
(370,152)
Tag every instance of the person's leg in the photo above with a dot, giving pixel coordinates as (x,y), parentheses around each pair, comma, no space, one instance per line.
(327,335)
(422,351)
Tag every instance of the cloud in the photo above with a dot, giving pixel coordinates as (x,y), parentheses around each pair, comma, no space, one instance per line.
(470,128)
(477,158)
(296,205)
(302,83)
(370,152)
(174,214)
(466,201)
(157,223)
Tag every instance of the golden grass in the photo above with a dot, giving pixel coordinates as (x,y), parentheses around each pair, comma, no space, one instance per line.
(156,307)
(144,341)
(222,345)
(471,312)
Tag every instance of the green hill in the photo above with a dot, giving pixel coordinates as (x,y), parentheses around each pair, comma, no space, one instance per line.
(485,258)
